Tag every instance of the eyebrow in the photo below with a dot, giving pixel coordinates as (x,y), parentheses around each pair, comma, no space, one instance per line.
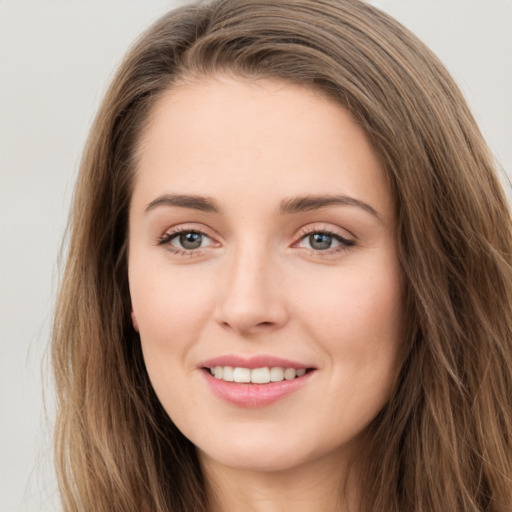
(307,203)
(288,206)
(204,204)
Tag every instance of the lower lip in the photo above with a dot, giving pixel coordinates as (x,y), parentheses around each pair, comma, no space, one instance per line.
(254,395)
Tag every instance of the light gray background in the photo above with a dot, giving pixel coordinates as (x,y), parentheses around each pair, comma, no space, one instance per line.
(56,58)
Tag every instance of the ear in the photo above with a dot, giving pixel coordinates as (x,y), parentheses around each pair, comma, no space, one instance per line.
(134,321)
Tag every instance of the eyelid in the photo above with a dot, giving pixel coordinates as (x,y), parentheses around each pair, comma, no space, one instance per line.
(323,227)
(173,231)
(198,227)
(345,242)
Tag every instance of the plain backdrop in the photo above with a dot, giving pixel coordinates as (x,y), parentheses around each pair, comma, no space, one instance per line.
(56,59)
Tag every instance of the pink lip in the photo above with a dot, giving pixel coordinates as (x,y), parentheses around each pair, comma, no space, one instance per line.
(253,395)
(252,362)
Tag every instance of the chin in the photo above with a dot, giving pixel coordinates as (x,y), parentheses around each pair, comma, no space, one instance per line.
(260,451)
(259,461)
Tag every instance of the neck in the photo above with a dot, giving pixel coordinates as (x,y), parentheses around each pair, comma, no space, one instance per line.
(318,485)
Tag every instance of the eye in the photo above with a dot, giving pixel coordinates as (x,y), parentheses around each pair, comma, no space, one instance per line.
(188,240)
(320,241)
(185,241)
(325,241)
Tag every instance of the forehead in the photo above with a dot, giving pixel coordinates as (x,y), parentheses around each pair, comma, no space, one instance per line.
(263,139)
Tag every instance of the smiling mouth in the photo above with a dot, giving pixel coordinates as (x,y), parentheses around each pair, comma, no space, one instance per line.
(262,375)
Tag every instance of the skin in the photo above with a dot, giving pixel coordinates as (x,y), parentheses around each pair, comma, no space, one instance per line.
(259,285)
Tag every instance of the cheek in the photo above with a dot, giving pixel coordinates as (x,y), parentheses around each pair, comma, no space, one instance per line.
(362,337)
(166,302)
(356,305)
(171,310)
(358,324)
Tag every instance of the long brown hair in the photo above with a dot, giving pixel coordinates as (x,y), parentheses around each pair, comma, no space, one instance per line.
(444,441)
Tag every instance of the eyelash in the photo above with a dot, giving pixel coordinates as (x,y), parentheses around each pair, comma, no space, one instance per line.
(166,238)
(345,243)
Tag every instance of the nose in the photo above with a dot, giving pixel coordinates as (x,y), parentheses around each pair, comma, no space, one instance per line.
(251,298)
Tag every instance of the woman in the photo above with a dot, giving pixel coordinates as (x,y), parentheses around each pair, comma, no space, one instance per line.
(289,282)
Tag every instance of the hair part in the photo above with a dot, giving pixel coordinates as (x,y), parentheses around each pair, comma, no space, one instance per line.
(444,441)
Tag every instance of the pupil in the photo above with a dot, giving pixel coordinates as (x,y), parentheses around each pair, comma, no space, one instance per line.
(191,240)
(320,241)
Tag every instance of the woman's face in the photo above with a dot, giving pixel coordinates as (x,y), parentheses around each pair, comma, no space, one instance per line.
(262,248)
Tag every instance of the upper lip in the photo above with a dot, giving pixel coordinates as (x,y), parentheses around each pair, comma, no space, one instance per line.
(255,361)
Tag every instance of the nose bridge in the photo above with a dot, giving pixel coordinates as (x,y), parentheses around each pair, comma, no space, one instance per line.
(250,298)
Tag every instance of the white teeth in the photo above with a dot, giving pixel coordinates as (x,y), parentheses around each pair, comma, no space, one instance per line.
(260,375)
(242,375)
(228,374)
(289,373)
(276,374)
(257,375)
